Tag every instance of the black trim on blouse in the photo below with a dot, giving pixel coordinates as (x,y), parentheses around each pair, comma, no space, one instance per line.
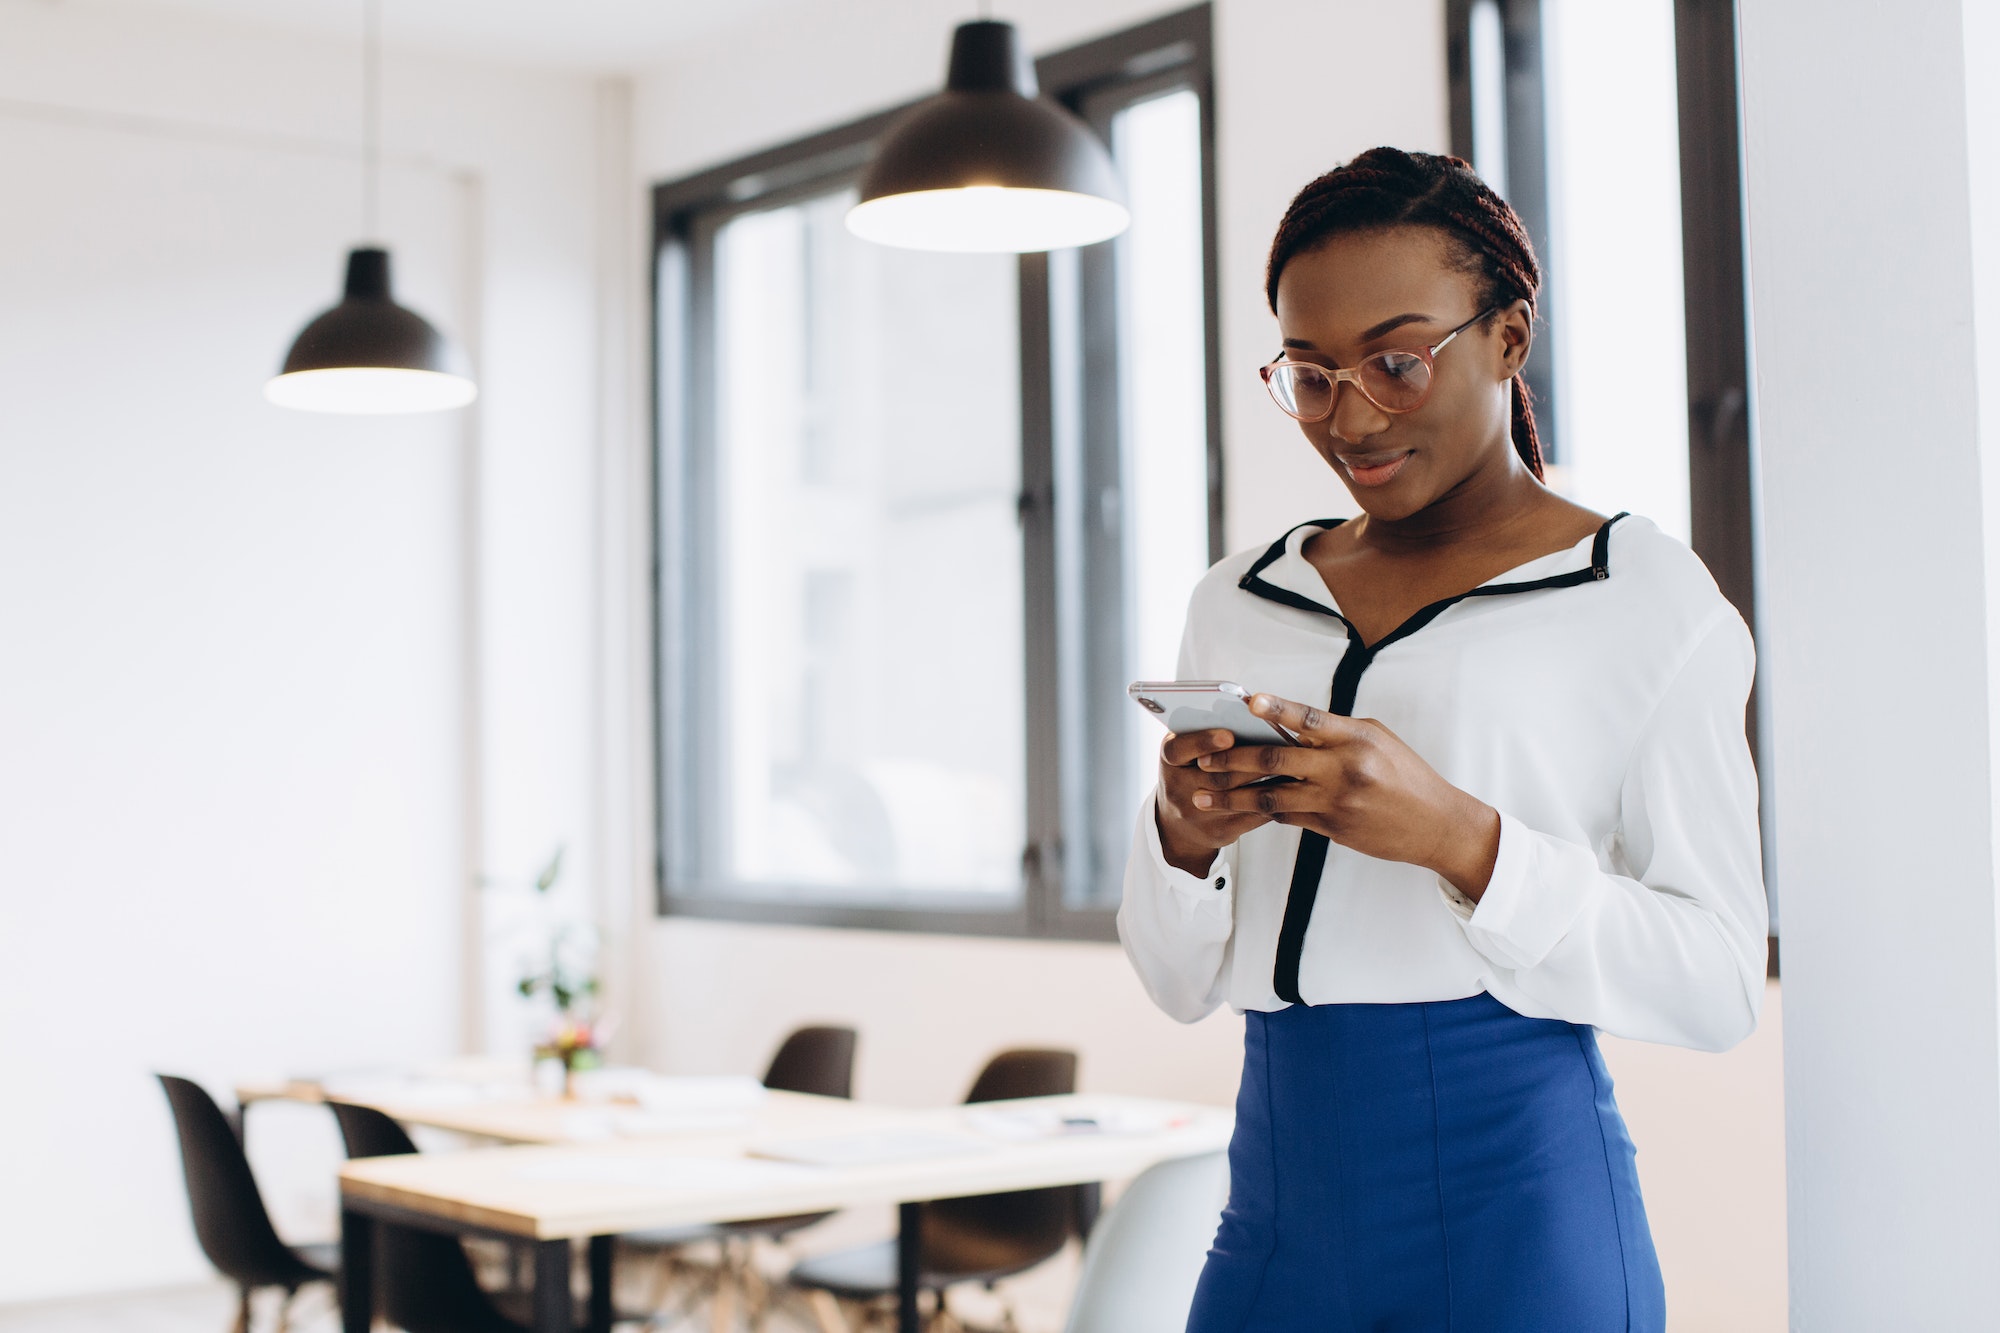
(1358,657)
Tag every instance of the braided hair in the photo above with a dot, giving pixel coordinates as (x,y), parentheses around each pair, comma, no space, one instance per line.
(1387,187)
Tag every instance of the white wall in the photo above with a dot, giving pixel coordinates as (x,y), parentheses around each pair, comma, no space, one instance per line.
(1871,235)
(275,687)
(1298,88)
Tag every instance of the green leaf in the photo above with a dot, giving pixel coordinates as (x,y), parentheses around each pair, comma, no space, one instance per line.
(550,872)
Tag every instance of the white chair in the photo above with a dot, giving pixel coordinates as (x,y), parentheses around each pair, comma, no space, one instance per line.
(1146,1253)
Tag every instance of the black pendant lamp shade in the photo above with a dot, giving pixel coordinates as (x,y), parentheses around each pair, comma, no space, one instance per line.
(986,165)
(369,354)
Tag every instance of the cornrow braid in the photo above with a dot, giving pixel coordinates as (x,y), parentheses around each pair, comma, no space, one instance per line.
(1387,187)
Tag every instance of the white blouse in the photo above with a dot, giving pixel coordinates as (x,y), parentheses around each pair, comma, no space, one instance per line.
(1595,698)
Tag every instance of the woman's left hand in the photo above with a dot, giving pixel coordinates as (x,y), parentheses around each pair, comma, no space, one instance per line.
(1362,787)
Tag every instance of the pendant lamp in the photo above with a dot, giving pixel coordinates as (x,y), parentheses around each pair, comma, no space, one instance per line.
(987,165)
(368,354)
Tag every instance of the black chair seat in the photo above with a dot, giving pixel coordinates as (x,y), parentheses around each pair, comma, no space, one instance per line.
(425,1284)
(230,1221)
(818,1060)
(292,1270)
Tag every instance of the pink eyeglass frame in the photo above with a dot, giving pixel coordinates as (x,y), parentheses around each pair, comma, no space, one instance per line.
(1427,355)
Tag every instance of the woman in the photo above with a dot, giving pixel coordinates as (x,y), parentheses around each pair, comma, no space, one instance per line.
(1527,811)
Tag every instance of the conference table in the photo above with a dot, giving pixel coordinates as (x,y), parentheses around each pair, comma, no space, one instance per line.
(493,1101)
(564,1180)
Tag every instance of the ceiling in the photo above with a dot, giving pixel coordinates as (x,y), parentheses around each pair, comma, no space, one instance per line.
(583,35)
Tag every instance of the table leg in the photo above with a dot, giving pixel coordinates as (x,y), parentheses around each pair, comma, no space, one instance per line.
(909,1258)
(552,1303)
(357,1271)
(600,1284)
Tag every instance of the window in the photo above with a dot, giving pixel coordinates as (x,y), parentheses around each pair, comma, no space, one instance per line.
(1615,221)
(920,519)
(1495,63)
(866,464)
(1625,117)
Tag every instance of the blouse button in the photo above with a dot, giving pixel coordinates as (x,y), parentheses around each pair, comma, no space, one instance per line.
(1220,883)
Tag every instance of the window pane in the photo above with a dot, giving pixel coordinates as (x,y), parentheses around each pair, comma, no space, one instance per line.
(864,680)
(1615,205)
(1488,58)
(1164,396)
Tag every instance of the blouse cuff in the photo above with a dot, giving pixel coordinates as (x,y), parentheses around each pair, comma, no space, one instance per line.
(1538,888)
(1218,886)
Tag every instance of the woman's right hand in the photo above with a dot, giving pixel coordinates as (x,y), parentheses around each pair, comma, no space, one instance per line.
(1191,837)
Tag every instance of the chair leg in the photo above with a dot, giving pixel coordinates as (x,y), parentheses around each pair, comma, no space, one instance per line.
(826,1312)
(674,1280)
(722,1314)
(758,1296)
(663,1279)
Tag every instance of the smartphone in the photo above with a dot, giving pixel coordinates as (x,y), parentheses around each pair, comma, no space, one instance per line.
(1203,705)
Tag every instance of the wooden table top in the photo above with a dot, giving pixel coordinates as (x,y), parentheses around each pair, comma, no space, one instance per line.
(517,1114)
(891,1156)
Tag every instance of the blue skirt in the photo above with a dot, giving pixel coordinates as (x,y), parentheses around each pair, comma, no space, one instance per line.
(1428,1168)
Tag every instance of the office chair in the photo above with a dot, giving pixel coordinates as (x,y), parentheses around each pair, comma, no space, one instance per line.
(982,1238)
(424,1282)
(1141,1266)
(230,1220)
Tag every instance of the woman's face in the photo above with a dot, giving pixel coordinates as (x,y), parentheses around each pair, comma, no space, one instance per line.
(1376,291)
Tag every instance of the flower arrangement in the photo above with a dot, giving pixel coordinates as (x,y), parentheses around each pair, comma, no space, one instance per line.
(568,976)
(574,1044)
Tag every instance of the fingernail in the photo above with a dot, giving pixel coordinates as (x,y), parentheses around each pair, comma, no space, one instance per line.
(1260,703)
(1203,799)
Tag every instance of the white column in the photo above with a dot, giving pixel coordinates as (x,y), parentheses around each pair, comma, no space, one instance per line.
(1869,320)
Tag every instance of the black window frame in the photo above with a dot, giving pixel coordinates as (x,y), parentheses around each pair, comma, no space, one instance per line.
(1070,440)
(1721,460)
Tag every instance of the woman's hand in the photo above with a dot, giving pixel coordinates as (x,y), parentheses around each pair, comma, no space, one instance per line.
(1359,785)
(1191,836)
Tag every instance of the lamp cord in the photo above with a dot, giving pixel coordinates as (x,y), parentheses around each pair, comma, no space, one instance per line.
(371,118)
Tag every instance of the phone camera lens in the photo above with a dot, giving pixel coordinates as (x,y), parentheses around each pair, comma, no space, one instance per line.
(1152,707)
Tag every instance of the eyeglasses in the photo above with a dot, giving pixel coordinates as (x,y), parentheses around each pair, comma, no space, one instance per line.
(1395,381)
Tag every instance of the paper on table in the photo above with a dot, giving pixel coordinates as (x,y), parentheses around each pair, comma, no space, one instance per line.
(693,1173)
(1018,1123)
(688,1173)
(670,1093)
(595,1123)
(699,1092)
(871,1147)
